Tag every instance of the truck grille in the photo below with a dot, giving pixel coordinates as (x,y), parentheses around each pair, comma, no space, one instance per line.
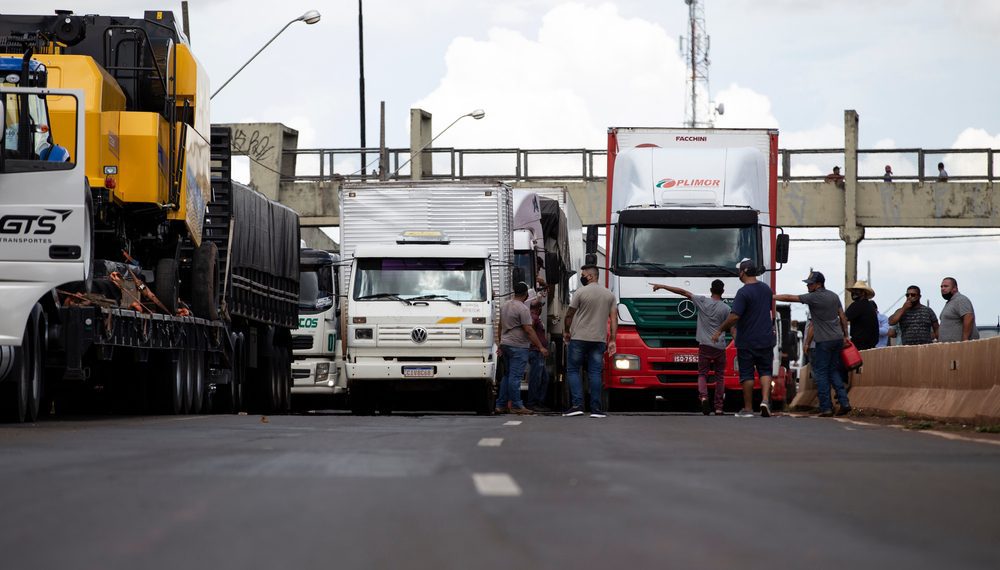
(660,323)
(436,335)
(301,342)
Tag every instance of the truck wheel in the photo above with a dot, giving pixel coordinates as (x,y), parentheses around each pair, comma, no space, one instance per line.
(361,400)
(205,281)
(167,284)
(189,364)
(198,380)
(283,378)
(485,398)
(24,389)
(173,384)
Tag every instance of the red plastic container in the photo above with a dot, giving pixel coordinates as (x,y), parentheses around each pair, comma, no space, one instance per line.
(850,356)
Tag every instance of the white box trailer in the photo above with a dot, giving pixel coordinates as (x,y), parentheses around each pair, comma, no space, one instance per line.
(429,265)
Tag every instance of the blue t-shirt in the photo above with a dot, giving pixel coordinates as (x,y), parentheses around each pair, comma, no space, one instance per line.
(752,304)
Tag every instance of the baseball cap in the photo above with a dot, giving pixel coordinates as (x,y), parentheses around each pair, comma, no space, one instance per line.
(746,265)
(814,277)
(520,288)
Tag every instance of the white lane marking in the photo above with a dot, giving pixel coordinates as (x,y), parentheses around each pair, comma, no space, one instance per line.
(955,437)
(512,423)
(850,428)
(490,442)
(496,485)
(188,418)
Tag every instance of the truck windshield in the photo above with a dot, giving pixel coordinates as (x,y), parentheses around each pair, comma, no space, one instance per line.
(446,278)
(315,288)
(684,251)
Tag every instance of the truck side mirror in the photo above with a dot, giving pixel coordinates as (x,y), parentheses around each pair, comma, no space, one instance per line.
(781,249)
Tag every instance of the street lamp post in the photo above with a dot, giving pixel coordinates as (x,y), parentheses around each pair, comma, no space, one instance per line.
(477,114)
(310,17)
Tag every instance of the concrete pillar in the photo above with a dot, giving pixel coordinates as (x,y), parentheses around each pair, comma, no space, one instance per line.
(850,231)
(265,144)
(420,136)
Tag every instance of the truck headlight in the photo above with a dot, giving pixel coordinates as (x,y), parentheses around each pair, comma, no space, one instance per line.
(322,371)
(364,334)
(626,362)
(473,334)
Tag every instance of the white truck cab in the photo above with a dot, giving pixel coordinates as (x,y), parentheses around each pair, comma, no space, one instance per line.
(316,342)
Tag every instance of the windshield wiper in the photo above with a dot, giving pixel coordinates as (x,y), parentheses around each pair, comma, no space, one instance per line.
(393,296)
(443,297)
(723,269)
(649,265)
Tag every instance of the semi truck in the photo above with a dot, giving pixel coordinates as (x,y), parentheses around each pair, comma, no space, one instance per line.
(316,346)
(137,247)
(684,207)
(429,265)
(548,249)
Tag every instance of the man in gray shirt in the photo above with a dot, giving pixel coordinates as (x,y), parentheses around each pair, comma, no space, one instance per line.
(829,326)
(958,318)
(515,335)
(712,312)
(587,337)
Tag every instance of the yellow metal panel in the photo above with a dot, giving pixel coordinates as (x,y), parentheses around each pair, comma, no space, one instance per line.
(193,87)
(450,320)
(196,188)
(143,162)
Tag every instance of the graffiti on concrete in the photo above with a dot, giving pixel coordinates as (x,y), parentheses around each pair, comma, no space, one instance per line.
(252,144)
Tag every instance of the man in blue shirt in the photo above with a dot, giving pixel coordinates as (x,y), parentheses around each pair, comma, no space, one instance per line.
(755,338)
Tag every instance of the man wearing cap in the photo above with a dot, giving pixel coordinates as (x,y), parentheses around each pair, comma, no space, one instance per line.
(862,316)
(829,324)
(515,335)
(712,312)
(587,337)
(755,338)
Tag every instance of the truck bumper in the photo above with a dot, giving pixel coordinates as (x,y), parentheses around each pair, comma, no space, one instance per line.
(380,369)
(305,380)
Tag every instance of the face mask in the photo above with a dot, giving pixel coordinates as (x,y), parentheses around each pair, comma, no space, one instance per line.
(947,296)
(855,296)
(584,280)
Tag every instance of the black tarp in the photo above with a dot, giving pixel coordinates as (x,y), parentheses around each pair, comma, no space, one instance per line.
(265,235)
(556,239)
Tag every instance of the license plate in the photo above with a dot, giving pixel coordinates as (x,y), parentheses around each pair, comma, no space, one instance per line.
(418,371)
(686,358)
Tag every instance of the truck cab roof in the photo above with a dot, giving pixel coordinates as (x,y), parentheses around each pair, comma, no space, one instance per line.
(422,250)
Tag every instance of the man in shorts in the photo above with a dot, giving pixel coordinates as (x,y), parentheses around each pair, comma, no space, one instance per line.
(712,312)
(755,338)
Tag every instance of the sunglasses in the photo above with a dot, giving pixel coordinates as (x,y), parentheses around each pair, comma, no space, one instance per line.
(913,294)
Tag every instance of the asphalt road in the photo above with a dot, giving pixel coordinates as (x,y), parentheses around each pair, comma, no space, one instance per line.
(460,491)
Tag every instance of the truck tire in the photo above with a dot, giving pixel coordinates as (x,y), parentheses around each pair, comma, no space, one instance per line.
(362,400)
(262,382)
(198,379)
(23,390)
(485,398)
(167,283)
(205,281)
(173,383)
(189,364)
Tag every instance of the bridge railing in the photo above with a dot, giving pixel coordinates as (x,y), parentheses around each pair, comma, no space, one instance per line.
(524,165)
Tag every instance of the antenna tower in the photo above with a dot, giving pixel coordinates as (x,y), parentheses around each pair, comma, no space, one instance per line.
(694,49)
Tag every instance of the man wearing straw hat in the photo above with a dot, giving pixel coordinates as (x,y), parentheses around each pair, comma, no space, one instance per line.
(863,316)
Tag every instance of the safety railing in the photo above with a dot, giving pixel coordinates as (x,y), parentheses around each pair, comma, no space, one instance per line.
(525,165)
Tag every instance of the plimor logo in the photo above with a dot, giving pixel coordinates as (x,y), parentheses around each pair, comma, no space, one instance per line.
(307,323)
(689,183)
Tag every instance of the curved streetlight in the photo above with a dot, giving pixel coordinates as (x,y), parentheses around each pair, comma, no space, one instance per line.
(310,17)
(477,114)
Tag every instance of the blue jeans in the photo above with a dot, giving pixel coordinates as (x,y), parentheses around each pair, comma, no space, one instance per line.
(538,379)
(826,373)
(510,386)
(593,353)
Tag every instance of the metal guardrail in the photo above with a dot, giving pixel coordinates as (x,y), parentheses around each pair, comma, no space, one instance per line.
(525,165)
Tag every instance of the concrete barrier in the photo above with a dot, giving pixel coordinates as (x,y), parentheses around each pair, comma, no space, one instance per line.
(958,382)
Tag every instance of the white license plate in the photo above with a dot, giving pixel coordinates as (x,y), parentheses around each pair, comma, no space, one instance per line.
(686,358)
(418,371)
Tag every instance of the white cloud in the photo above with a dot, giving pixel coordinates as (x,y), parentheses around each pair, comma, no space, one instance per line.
(744,108)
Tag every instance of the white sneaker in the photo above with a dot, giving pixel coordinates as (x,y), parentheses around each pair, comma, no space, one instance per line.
(744,414)
(598,415)
(765,410)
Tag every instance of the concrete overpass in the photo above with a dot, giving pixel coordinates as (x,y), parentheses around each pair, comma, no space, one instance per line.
(305,179)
